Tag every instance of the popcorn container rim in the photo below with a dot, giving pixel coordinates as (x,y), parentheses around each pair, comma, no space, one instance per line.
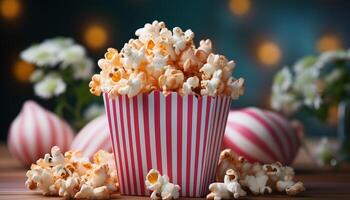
(180,136)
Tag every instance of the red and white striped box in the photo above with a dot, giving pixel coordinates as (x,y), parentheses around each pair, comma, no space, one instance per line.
(180,136)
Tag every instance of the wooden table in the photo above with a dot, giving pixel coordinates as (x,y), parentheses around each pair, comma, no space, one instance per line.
(320,183)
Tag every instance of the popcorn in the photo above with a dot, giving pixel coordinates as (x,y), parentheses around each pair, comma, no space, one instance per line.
(171,80)
(257,178)
(213,86)
(160,186)
(189,86)
(161,59)
(132,86)
(228,189)
(73,176)
(134,59)
(203,50)
(88,192)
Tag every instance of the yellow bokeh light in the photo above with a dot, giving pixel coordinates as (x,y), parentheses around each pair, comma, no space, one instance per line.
(269,53)
(240,7)
(328,42)
(10,9)
(95,36)
(22,71)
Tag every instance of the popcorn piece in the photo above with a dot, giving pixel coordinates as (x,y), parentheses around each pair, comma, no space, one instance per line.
(219,191)
(133,58)
(235,88)
(39,178)
(171,80)
(204,49)
(230,188)
(157,64)
(257,184)
(231,180)
(160,186)
(214,62)
(95,85)
(69,187)
(295,189)
(133,86)
(149,31)
(189,62)
(181,39)
(88,192)
(214,86)
(190,84)
(227,161)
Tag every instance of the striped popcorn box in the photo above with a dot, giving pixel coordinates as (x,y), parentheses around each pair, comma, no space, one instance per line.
(180,136)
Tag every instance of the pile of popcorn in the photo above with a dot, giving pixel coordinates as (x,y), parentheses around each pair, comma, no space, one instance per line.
(73,176)
(235,176)
(168,61)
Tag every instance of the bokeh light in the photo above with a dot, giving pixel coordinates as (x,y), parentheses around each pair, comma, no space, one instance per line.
(240,7)
(96,36)
(332,118)
(269,53)
(22,71)
(10,9)
(328,42)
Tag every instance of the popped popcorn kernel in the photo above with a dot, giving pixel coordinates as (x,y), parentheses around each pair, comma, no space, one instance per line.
(163,59)
(160,186)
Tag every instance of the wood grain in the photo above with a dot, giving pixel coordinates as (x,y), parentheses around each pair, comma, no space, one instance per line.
(322,183)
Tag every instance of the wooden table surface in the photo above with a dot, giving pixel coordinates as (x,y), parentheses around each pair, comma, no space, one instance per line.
(320,183)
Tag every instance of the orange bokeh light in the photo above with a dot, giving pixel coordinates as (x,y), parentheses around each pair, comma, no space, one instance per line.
(240,7)
(95,36)
(328,42)
(22,71)
(332,117)
(10,9)
(269,53)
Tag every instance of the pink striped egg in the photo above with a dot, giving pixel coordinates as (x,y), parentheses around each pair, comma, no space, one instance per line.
(261,136)
(34,131)
(93,137)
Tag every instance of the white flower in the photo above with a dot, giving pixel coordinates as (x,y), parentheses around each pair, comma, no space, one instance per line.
(46,53)
(83,69)
(36,76)
(51,85)
(41,55)
(330,56)
(325,151)
(60,42)
(93,111)
(305,64)
(286,102)
(334,76)
(283,80)
(71,55)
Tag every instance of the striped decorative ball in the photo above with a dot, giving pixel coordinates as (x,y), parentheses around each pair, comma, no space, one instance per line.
(93,137)
(34,131)
(261,136)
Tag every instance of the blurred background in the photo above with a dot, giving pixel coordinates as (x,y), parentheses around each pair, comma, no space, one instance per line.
(261,36)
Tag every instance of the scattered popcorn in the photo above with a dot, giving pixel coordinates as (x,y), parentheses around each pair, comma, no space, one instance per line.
(165,60)
(160,186)
(73,176)
(228,189)
(256,178)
